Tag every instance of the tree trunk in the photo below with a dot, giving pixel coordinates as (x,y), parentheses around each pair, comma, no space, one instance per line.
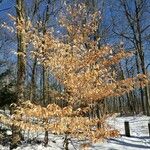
(45,69)
(16,133)
(66,143)
(33,85)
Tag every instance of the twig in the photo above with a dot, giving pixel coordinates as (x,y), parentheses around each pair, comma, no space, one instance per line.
(72,143)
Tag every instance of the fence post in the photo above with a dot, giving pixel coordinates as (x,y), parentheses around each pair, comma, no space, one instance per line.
(149,128)
(127,129)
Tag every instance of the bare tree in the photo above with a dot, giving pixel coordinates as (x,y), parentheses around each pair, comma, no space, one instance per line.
(133,30)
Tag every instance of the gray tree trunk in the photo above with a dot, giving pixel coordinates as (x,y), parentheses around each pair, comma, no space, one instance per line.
(16,133)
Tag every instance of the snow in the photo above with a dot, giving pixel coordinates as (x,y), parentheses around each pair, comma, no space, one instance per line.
(139,140)
(8,132)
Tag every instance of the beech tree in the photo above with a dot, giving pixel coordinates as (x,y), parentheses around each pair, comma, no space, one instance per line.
(83,69)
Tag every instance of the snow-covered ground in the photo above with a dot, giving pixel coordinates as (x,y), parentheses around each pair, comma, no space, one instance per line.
(139,140)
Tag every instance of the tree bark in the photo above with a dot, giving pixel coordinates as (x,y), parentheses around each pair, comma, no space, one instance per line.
(16,133)
(33,83)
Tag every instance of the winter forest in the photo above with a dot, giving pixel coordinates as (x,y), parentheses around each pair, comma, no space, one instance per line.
(74,74)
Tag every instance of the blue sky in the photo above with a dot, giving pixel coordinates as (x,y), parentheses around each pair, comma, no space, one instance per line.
(4,4)
(8,6)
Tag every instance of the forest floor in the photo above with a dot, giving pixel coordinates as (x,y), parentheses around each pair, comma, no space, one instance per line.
(139,140)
